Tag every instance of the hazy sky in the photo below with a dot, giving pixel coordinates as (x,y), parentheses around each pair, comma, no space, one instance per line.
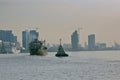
(59,18)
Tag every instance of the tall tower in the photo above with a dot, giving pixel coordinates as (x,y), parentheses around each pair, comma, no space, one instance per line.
(33,35)
(91,42)
(25,39)
(75,40)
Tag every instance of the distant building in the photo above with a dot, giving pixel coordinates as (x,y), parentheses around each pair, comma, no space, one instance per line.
(7,36)
(101,46)
(67,46)
(27,37)
(75,40)
(33,35)
(91,42)
(116,46)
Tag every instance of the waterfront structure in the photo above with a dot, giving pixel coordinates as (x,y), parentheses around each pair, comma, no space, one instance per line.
(91,42)
(8,42)
(75,40)
(27,37)
(100,46)
(7,36)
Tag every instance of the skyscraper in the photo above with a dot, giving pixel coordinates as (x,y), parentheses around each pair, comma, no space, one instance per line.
(33,35)
(27,37)
(91,42)
(75,40)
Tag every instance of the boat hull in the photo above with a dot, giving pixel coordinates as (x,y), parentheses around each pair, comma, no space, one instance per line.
(61,55)
(61,52)
(38,52)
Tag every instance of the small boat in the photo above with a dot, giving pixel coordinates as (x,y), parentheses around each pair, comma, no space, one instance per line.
(61,52)
(37,47)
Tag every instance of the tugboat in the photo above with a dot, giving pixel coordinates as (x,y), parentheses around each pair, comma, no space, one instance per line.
(37,47)
(61,52)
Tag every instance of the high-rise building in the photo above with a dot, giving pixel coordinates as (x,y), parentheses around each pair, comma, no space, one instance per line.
(27,37)
(7,36)
(33,35)
(75,40)
(91,42)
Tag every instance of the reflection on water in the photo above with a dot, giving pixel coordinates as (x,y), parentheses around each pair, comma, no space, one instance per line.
(94,65)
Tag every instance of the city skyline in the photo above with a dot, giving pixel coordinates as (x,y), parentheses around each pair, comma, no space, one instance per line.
(58,19)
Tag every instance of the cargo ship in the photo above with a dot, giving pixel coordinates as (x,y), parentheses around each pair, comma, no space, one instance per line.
(37,47)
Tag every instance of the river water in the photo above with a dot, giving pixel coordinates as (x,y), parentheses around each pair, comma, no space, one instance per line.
(93,65)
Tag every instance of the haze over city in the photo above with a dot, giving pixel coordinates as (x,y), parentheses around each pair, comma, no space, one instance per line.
(59,18)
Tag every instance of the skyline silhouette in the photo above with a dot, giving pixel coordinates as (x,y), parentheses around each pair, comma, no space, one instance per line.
(58,19)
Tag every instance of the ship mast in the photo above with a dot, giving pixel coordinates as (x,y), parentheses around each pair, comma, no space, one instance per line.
(60,41)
